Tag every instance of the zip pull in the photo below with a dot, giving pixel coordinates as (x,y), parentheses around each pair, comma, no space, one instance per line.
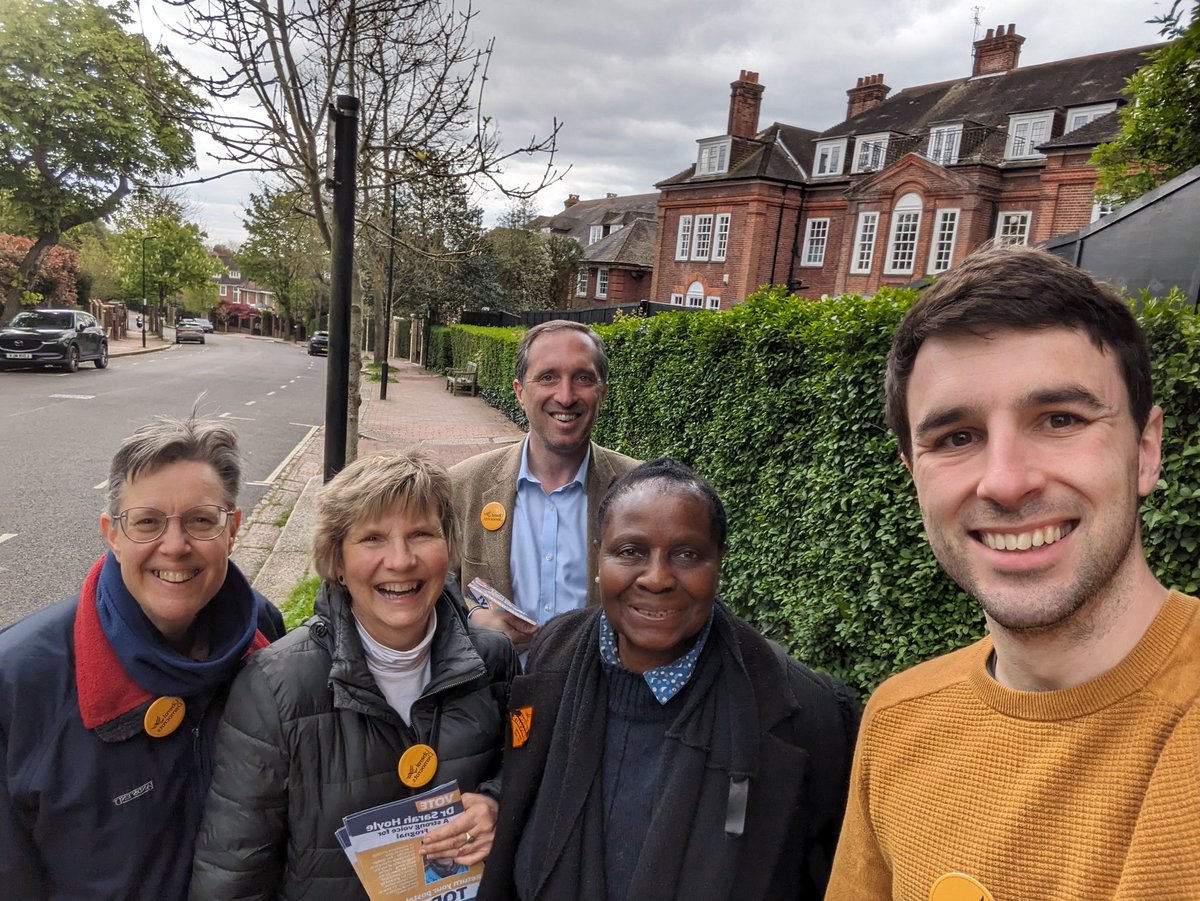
(735,808)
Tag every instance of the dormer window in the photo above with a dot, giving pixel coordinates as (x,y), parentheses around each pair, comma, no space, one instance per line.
(595,233)
(944,141)
(829,157)
(714,157)
(1082,115)
(1025,132)
(870,153)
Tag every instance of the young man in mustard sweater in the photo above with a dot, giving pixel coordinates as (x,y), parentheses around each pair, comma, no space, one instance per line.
(1058,758)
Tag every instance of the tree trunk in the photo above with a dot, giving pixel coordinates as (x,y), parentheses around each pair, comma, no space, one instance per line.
(25,272)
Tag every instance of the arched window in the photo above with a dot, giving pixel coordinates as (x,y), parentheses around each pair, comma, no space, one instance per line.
(695,295)
(902,245)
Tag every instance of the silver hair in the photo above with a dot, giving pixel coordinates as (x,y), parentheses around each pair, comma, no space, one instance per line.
(169,440)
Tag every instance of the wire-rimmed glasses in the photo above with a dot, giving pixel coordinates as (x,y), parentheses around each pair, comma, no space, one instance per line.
(145,524)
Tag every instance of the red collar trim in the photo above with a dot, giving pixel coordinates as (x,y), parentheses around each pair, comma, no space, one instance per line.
(105,690)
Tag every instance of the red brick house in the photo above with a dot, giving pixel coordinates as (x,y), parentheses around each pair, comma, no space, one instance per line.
(619,241)
(905,187)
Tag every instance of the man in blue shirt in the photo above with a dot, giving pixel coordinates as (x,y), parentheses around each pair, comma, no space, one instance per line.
(528,511)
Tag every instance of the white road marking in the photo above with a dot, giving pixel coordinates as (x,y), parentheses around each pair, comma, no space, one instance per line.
(270,480)
(6,536)
(270,393)
(101,486)
(250,403)
(75,396)
(238,418)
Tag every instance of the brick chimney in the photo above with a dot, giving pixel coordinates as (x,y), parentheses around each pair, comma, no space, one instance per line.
(571,200)
(745,98)
(997,51)
(867,94)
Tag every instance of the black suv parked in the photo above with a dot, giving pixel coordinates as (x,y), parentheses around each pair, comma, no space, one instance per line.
(55,337)
(318,344)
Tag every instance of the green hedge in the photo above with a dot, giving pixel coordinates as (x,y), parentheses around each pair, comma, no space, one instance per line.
(779,404)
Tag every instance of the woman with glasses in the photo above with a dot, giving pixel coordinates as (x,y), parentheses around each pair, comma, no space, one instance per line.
(386,691)
(109,701)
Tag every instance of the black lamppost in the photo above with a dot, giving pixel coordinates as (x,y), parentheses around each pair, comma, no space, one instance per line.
(387,320)
(144,310)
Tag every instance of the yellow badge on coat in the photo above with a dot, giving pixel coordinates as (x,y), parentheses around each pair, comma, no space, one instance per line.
(521,719)
(417,765)
(492,516)
(163,717)
(958,887)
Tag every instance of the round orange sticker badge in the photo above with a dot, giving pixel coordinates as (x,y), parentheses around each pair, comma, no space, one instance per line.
(492,516)
(417,765)
(958,887)
(163,717)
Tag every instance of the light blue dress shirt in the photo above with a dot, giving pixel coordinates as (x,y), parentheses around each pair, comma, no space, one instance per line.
(665,681)
(548,559)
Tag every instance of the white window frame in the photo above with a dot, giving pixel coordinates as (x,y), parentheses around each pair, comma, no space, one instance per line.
(1102,208)
(581,282)
(234,274)
(830,158)
(601,283)
(683,238)
(615,227)
(903,236)
(595,233)
(866,234)
(1036,128)
(224,289)
(712,303)
(677,300)
(944,144)
(694,296)
(1082,115)
(941,242)
(875,148)
(1013,226)
(702,236)
(816,239)
(721,237)
(713,158)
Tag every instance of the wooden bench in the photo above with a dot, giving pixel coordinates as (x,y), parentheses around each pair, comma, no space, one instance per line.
(462,379)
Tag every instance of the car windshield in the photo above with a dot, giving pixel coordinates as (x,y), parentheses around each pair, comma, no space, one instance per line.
(42,319)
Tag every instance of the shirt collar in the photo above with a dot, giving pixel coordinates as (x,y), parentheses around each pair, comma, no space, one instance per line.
(524,475)
(664,681)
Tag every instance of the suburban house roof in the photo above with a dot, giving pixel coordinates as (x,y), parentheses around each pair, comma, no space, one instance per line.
(778,153)
(578,216)
(631,247)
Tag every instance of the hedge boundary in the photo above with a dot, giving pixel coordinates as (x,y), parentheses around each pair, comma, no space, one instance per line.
(778,403)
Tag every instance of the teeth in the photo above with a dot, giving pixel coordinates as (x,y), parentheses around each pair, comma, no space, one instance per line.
(168,575)
(653,614)
(1023,541)
(399,587)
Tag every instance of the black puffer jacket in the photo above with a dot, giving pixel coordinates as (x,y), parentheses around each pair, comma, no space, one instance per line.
(307,738)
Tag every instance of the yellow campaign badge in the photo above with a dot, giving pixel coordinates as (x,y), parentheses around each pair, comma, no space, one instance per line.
(417,765)
(492,516)
(520,719)
(163,717)
(958,887)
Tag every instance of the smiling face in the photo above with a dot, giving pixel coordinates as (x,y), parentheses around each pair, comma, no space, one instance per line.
(1029,468)
(175,576)
(659,571)
(394,567)
(562,393)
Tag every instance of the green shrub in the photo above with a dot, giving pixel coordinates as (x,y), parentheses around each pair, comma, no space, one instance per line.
(779,403)
(299,605)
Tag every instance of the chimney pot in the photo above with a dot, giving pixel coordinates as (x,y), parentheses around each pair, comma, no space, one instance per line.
(571,200)
(745,101)
(867,94)
(998,51)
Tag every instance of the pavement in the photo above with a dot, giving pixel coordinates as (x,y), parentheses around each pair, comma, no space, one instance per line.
(274,544)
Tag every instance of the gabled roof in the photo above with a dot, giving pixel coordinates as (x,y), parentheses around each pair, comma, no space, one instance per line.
(577,219)
(632,247)
(991,99)
(1098,131)
(777,153)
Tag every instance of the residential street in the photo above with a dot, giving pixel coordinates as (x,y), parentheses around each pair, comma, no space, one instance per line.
(58,432)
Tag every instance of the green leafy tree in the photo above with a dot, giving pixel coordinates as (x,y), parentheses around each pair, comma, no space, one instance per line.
(154,232)
(525,269)
(98,273)
(280,251)
(88,111)
(1160,129)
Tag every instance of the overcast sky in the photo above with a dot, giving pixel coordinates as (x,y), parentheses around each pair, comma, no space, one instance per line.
(636,82)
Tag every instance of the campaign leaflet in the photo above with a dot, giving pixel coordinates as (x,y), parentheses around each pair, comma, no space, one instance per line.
(384,847)
(488,596)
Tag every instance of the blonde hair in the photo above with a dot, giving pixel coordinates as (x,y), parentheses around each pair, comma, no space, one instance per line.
(369,488)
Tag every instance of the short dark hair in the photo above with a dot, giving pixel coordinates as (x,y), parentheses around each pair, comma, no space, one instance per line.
(675,478)
(1013,287)
(600,358)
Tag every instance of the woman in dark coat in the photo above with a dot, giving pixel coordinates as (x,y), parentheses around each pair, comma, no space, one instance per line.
(660,747)
(315,730)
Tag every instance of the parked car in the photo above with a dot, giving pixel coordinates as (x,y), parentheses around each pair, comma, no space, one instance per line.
(318,344)
(53,337)
(204,324)
(188,330)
